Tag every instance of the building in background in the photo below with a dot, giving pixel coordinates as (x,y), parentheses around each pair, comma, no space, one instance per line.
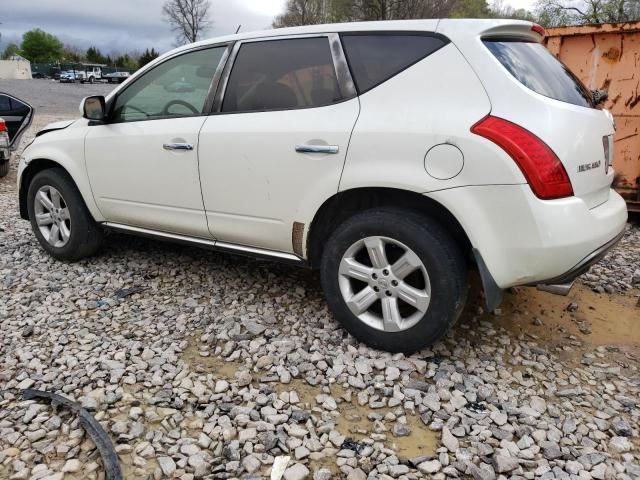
(15,67)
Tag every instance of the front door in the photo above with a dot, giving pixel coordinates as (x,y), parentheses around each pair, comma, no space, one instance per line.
(143,163)
(276,149)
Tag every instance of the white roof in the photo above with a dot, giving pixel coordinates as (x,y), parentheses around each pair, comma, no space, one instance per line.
(427,25)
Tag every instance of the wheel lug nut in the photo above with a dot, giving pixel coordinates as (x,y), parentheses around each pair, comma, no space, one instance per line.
(385,272)
(376,289)
(374,276)
(394,283)
(388,293)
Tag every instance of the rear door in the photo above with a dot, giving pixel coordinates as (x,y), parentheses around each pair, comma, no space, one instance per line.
(276,147)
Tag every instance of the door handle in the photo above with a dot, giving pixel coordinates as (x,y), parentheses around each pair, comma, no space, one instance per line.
(317,148)
(177,146)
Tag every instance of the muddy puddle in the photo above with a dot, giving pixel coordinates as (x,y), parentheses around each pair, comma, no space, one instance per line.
(352,421)
(597,319)
(569,326)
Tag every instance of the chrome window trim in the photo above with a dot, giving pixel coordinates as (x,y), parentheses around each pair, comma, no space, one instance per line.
(345,80)
(341,68)
(217,76)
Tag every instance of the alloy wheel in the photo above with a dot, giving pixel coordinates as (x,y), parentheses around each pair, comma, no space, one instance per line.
(52,216)
(384,283)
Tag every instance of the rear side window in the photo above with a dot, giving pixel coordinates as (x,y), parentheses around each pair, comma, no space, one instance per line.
(537,69)
(282,74)
(375,58)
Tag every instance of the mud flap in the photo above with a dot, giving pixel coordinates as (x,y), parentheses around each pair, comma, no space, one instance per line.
(492,292)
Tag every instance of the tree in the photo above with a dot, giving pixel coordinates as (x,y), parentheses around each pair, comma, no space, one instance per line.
(95,56)
(11,50)
(500,10)
(127,62)
(72,54)
(309,12)
(41,47)
(553,13)
(188,19)
(471,9)
(300,12)
(147,56)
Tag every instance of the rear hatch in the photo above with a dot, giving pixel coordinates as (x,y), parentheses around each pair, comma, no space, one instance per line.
(528,86)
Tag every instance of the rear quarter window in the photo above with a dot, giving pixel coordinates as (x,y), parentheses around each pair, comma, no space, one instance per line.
(537,69)
(376,57)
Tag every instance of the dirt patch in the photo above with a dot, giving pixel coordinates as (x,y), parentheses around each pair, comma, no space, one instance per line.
(208,364)
(596,319)
(353,421)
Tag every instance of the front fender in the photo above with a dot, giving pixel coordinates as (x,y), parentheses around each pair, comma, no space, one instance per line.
(63,149)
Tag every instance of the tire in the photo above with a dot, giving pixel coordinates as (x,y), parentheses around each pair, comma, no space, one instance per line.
(91,80)
(438,272)
(84,236)
(4,168)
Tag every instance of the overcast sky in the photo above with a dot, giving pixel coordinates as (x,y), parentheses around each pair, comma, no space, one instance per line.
(116,26)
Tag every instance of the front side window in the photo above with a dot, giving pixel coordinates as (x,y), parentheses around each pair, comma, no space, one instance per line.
(282,74)
(376,57)
(175,88)
(537,69)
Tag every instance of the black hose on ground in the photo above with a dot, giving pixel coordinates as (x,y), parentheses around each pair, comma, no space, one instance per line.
(90,425)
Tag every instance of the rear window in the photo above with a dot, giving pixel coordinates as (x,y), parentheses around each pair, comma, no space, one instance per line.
(375,58)
(536,68)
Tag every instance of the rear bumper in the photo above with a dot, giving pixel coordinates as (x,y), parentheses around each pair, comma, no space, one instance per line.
(527,241)
(583,265)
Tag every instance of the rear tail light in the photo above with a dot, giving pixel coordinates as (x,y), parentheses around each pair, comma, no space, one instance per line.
(3,125)
(539,29)
(541,167)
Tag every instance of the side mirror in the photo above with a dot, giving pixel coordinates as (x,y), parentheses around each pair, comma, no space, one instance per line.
(93,108)
(17,115)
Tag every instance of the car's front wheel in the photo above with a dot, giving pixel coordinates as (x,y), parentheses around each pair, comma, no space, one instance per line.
(396,280)
(59,218)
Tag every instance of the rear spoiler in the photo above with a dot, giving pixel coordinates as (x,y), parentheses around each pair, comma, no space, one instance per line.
(518,29)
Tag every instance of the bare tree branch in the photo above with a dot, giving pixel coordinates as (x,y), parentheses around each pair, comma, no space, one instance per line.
(188,19)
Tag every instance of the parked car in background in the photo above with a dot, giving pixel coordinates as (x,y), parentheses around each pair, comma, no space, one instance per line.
(15,117)
(393,156)
(69,76)
(116,77)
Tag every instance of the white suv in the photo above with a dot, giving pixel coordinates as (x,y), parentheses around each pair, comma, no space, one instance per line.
(394,156)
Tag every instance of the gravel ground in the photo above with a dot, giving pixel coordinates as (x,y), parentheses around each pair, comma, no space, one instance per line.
(201,365)
(49,97)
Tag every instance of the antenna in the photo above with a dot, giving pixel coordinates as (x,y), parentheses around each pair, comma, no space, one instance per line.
(239,27)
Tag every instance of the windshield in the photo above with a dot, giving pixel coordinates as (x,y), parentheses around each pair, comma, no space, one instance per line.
(536,68)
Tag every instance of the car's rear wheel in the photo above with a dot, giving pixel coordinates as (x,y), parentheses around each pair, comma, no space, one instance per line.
(59,218)
(396,280)
(4,168)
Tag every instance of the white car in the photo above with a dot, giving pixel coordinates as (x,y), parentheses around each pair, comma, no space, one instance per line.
(70,76)
(393,156)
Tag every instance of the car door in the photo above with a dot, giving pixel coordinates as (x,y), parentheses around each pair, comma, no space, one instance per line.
(275,148)
(143,162)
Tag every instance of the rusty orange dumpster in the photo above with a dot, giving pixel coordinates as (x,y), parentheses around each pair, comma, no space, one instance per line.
(607,56)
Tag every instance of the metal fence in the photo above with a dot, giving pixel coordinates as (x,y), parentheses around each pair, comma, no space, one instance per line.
(50,69)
